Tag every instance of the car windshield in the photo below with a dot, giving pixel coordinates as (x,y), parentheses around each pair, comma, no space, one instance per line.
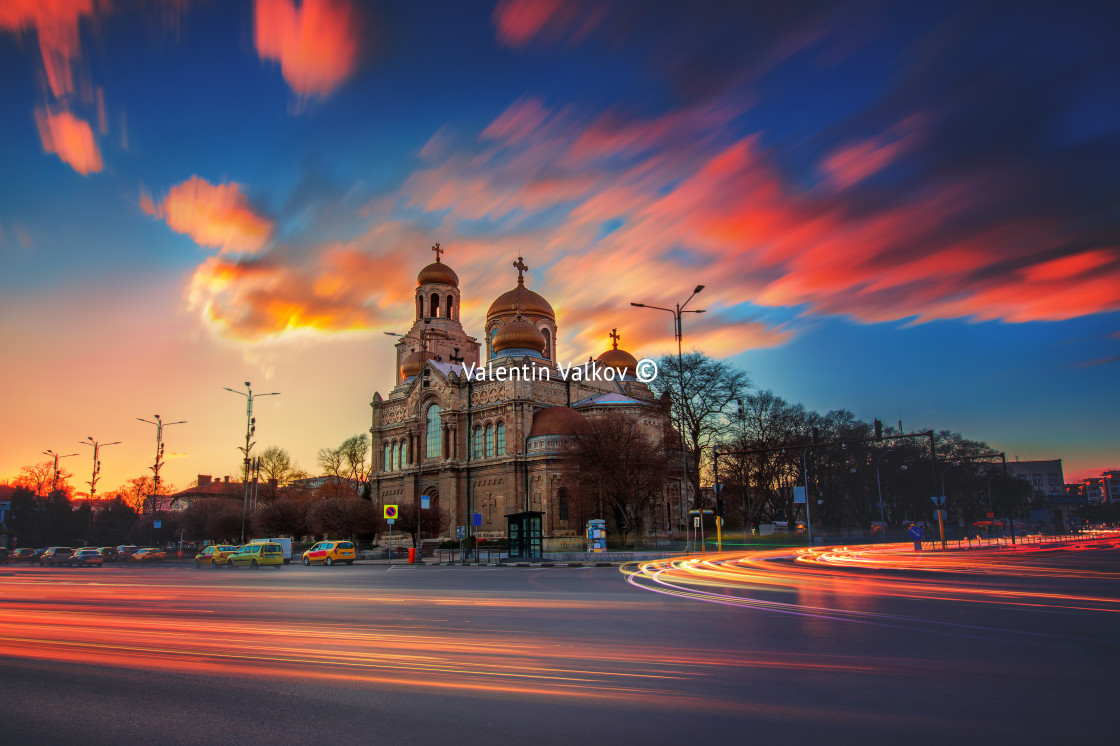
(345,545)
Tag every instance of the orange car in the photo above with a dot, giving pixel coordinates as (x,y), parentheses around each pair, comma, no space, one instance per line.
(148,554)
(330,552)
(214,555)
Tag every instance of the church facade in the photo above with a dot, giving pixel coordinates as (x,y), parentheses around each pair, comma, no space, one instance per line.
(492,427)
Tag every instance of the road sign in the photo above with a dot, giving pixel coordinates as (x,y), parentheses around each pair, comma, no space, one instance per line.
(938,500)
(391,521)
(940,515)
(696,522)
(425,501)
(798,495)
(718,488)
(916,533)
(460,532)
(477,518)
(390,512)
(697,512)
(991,515)
(157,524)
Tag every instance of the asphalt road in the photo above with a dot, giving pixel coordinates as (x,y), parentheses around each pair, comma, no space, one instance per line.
(1023,648)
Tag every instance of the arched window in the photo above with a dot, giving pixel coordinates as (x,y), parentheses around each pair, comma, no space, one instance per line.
(387,462)
(419,305)
(394,456)
(562,502)
(450,305)
(476,448)
(489,441)
(547,343)
(500,439)
(434,305)
(432,445)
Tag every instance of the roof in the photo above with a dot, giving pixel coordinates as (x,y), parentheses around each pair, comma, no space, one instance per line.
(558,421)
(611,399)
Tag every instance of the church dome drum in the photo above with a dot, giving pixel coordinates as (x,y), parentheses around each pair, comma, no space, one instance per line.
(518,334)
(558,421)
(437,272)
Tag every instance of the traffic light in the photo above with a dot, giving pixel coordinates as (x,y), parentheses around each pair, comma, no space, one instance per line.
(719,507)
(878,430)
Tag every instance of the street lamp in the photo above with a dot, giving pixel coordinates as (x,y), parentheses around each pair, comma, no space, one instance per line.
(678,332)
(160,424)
(879,482)
(89,441)
(54,488)
(250,428)
(424,335)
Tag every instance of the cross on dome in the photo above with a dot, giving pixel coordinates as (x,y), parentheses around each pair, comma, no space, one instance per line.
(615,336)
(438,250)
(521,269)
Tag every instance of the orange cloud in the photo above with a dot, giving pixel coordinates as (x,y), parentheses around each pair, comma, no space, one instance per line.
(217,216)
(517,22)
(71,138)
(56,24)
(315,43)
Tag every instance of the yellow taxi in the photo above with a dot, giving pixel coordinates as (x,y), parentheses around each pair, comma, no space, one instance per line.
(256,555)
(330,552)
(214,555)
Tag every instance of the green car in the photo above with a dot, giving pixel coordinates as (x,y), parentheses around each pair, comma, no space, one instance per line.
(255,555)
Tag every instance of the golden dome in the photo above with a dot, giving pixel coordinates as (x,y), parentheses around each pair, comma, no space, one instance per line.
(439,272)
(518,333)
(616,358)
(531,303)
(412,364)
(558,421)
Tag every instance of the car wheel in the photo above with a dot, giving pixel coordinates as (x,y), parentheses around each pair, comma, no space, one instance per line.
(229,564)
(306,562)
(197,565)
(279,565)
(330,561)
(349,562)
(255,566)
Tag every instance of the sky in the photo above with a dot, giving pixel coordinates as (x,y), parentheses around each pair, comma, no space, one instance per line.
(908,210)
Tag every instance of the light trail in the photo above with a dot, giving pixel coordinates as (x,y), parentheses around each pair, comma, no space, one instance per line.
(762,580)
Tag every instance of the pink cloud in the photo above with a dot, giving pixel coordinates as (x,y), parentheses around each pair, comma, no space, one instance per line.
(517,22)
(56,24)
(315,43)
(70,138)
(214,215)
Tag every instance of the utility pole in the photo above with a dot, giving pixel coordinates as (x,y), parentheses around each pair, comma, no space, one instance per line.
(250,428)
(160,424)
(54,488)
(89,441)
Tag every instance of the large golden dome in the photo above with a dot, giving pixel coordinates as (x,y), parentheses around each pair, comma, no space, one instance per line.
(518,334)
(530,302)
(439,272)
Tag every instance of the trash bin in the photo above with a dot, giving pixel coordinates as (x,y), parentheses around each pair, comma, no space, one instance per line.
(411,554)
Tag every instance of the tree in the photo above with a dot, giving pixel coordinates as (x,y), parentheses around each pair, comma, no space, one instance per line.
(37,478)
(215,518)
(349,517)
(346,465)
(277,471)
(284,516)
(627,466)
(710,386)
(26,521)
(112,524)
(139,494)
(434,521)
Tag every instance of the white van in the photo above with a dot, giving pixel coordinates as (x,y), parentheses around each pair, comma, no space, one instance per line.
(284,542)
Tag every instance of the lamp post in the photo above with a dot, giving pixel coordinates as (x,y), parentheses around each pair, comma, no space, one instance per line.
(678,332)
(424,335)
(160,424)
(250,428)
(879,482)
(54,488)
(89,441)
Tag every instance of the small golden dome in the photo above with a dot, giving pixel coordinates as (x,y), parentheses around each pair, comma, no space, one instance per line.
(531,303)
(518,333)
(439,272)
(412,364)
(616,358)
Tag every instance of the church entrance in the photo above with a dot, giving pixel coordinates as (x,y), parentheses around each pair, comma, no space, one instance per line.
(430,523)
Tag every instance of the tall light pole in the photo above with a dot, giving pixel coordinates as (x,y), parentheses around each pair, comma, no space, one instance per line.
(89,441)
(250,428)
(879,481)
(54,487)
(424,335)
(160,424)
(678,332)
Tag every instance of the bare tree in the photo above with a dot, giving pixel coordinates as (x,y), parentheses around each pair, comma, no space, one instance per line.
(710,387)
(346,465)
(349,517)
(628,467)
(435,521)
(277,471)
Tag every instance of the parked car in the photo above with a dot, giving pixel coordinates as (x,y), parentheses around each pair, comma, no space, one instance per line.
(123,552)
(146,555)
(256,555)
(330,552)
(88,557)
(37,554)
(5,556)
(56,556)
(284,542)
(23,555)
(214,555)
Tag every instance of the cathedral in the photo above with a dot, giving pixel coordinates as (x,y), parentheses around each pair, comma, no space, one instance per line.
(496,436)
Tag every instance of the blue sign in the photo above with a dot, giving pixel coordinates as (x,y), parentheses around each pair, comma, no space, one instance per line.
(157,524)
(424,502)
(916,533)
(477,518)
